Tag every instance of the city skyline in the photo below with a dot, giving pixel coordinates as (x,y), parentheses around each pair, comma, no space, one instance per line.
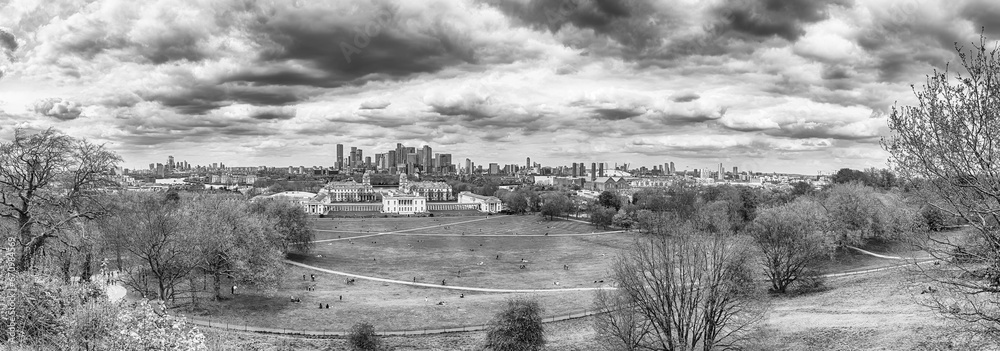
(797,87)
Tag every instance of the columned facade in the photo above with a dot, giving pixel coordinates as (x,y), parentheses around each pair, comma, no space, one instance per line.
(488,204)
(403,203)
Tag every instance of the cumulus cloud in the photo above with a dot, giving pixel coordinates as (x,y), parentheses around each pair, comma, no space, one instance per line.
(629,78)
(58,108)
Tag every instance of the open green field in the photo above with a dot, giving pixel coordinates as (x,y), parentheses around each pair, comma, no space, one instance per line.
(333,228)
(468,261)
(388,306)
(472,261)
(512,225)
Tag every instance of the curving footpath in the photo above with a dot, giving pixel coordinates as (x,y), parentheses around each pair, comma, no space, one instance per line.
(447,287)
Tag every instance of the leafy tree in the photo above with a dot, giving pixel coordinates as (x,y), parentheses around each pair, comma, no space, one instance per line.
(555,205)
(949,139)
(601,216)
(801,188)
(859,213)
(623,219)
(47,181)
(230,241)
(289,220)
(363,338)
(847,175)
(791,239)
(517,327)
(516,201)
(609,199)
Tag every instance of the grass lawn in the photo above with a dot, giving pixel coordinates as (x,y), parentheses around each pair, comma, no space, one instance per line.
(386,306)
(576,334)
(327,228)
(513,225)
(878,311)
(432,258)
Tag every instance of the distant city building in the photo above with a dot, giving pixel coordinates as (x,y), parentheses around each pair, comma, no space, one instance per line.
(340,157)
(607,183)
(494,168)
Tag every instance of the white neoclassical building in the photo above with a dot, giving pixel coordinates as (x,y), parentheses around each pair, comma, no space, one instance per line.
(488,204)
(403,203)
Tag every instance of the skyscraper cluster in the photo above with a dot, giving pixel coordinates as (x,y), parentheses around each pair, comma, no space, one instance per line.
(402,159)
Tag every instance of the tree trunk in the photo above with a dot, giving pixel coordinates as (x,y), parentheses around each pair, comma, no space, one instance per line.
(217,285)
(66,263)
(85,266)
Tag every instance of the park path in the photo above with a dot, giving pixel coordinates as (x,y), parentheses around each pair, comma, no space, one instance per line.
(510,235)
(446,287)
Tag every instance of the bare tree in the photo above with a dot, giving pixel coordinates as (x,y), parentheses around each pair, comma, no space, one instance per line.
(791,239)
(696,290)
(146,232)
(619,324)
(48,180)
(951,140)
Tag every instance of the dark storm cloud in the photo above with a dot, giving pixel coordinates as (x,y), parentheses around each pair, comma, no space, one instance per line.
(983,14)
(626,21)
(834,72)
(204,97)
(616,114)
(770,18)
(339,49)
(8,44)
(272,113)
(685,97)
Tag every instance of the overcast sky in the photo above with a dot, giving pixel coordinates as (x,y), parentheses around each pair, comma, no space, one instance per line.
(795,86)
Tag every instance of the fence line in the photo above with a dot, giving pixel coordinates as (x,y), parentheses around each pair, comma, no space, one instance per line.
(321,334)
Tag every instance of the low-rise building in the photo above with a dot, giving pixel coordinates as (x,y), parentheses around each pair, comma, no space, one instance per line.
(403,203)
(488,204)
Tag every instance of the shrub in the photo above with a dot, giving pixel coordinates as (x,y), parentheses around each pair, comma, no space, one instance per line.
(363,338)
(517,327)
